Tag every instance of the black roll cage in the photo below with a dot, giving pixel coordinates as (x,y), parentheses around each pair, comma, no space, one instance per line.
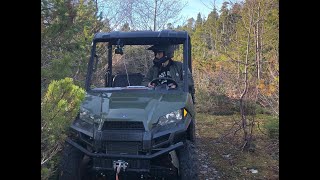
(141,38)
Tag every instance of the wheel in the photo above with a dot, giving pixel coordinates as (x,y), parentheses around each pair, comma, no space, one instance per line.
(188,166)
(72,164)
(192,131)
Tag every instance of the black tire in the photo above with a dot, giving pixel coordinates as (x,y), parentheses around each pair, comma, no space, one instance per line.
(70,164)
(192,131)
(188,166)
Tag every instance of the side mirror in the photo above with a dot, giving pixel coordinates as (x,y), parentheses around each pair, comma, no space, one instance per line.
(119,47)
(118,50)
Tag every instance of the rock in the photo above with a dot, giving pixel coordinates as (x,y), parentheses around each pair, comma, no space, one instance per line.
(226,155)
(254,171)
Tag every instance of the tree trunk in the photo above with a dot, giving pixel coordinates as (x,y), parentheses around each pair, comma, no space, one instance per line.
(261,45)
(212,41)
(257,51)
(96,12)
(155,15)
(258,37)
(258,45)
(243,116)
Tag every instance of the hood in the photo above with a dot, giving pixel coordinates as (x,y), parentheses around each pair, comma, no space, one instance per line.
(144,107)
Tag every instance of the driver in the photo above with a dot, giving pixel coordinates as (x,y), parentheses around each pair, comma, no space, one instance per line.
(165,67)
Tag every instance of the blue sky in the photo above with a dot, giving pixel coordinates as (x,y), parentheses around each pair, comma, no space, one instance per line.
(191,10)
(196,6)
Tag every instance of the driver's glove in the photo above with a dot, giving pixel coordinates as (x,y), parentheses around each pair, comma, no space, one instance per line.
(151,85)
(172,86)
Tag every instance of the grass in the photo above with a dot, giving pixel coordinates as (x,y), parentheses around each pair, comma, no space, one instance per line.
(216,136)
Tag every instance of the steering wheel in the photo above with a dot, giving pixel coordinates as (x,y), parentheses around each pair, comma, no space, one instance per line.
(156,81)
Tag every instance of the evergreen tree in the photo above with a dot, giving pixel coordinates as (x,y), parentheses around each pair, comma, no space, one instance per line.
(211,26)
(67,28)
(125,27)
(199,20)
(59,107)
(170,26)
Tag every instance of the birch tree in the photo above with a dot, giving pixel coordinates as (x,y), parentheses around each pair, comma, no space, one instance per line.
(143,14)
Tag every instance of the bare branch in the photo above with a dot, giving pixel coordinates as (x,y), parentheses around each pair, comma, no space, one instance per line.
(51,152)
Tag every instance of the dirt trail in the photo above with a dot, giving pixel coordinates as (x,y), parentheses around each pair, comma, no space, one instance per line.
(206,168)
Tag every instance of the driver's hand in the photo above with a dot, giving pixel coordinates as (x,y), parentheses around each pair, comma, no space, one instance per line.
(172,86)
(151,85)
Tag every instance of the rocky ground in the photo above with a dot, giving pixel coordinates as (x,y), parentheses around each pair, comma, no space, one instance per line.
(206,167)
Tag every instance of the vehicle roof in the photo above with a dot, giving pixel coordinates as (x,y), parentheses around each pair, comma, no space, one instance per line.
(142,37)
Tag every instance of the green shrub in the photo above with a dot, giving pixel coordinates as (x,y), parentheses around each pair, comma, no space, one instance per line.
(219,104)
(212,103)
(58,108)
(250,108)
(272,127)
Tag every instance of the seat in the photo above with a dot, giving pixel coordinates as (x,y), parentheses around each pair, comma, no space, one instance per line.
(120,80)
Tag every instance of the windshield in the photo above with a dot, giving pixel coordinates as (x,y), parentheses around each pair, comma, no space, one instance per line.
(130,69)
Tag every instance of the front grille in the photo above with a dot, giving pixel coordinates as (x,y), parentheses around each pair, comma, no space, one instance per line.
(122,125)
(133,164)
(131,148)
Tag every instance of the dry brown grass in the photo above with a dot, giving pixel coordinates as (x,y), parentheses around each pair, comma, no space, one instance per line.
(225,153)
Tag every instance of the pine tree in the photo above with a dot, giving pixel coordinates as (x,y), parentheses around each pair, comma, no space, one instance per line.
(59,107)
(67,28)
(125,27)
(199,20)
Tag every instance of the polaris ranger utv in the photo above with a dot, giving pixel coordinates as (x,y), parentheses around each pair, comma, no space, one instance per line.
(128,131)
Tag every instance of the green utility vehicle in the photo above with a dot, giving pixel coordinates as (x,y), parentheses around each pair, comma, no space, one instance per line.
(126,130)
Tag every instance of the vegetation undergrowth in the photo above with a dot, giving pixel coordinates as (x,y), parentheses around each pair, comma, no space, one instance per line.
(218,136)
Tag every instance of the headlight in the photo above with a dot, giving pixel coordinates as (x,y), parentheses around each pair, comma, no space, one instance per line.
(170,118)
(87,119)
(85,115)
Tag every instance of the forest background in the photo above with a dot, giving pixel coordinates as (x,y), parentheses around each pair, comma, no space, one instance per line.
(235,68)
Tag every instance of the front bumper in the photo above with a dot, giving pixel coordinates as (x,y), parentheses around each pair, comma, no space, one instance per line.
(126,156)
(139,148)
(137,163)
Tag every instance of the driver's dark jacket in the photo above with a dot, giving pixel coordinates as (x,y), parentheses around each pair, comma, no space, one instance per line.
(176,73)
